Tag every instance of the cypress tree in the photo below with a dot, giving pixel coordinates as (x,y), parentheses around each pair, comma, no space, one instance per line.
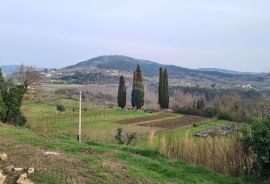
(160,87)
(139,88)
(166,90)
(122,92)
(133,93)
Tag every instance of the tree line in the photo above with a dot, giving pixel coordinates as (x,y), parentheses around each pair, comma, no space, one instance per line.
(137,94)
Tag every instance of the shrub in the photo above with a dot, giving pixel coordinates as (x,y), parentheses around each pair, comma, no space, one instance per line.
(130,138)
(257,140)
(19,120)
(60,108)
(119,137)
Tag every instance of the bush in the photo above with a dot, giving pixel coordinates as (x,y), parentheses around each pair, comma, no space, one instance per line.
(60,108)
(130,138)
(118,137)
(256,141)
(19,120)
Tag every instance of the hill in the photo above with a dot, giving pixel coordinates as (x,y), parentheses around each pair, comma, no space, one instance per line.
(126,65)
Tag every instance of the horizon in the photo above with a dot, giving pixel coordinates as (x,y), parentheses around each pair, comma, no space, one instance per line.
(37,66)
(191,34)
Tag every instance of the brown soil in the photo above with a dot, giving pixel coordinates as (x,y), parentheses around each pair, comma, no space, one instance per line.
(144,119)
(176,122)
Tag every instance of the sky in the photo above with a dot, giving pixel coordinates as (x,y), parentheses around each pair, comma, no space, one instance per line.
(226,34)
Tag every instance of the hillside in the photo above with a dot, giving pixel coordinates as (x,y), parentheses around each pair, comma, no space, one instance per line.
(126,64)
(98,159)
(95,163)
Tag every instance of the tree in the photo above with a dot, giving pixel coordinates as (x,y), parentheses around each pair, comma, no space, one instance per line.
(163,96)
(13,101)
(27,75)
(2,81)
(10,102)
(137,94)
(122,93)
(160,87)
(133,93)
(2,90)
(166,90)
(256,139)
(140,88)
(2,106)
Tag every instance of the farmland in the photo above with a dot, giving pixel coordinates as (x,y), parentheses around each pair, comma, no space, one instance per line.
(98,159)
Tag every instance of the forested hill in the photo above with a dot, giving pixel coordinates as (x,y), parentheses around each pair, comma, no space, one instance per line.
(150,69)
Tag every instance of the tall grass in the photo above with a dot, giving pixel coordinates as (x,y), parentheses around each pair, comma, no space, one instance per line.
(222,154)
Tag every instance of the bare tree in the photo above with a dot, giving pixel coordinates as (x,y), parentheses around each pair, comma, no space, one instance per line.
(27,75)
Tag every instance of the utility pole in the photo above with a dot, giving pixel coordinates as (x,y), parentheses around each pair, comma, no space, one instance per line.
(80,119)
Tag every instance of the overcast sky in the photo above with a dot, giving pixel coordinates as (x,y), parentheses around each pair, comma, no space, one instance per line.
(226,34)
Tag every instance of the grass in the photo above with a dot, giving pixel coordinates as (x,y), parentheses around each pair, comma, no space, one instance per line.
(99,163)
(97,160)
(180,133)
(97,121)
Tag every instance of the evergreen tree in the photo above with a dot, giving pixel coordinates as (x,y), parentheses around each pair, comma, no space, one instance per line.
(10,102)
(122,92)
(137,95)
(13,101)
(133,93)
(166,97)
(160,87)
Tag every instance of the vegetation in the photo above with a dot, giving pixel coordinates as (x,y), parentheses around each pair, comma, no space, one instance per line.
(86,78)
(137,94)
(122,93)
(119,138)
(60,108)
(231,108)
(10,102)
(103,163)
(160,86)
(256,141)
(160,140)
(222,154)
(163,95)
(165,90)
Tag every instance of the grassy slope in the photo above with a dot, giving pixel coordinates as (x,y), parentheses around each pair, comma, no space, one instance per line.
(100,163)
(90,162)
(97,121)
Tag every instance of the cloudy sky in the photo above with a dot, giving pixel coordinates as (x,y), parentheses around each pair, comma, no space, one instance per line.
(226,34)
